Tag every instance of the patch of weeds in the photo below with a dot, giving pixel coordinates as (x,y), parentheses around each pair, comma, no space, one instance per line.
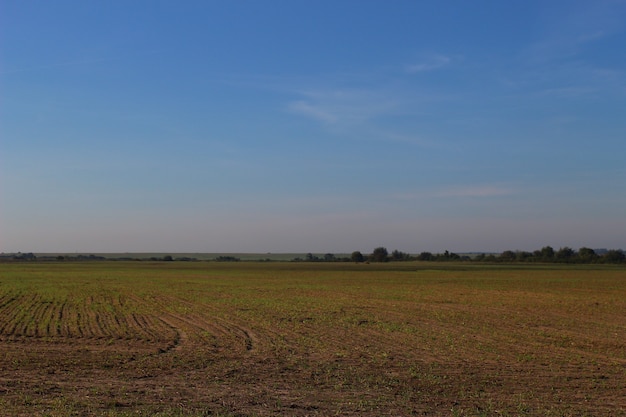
(526,357)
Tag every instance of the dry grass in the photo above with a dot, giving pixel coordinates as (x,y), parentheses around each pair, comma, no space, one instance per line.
(261,339)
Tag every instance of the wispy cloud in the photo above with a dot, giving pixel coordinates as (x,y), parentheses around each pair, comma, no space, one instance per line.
(342,107)
(565,33)
(436,62)
(311,110)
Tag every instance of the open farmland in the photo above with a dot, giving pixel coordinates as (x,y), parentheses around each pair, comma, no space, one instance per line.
(263,339)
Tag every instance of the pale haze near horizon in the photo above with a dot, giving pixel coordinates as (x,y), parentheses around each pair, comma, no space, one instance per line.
(291,126)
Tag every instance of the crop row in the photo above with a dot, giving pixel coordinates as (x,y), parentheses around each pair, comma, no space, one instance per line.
(31,315)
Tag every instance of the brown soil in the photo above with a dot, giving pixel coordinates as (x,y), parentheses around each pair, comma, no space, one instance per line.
(440,348)
(223,366)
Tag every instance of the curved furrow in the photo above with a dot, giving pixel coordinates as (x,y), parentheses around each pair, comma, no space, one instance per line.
(90,323)
(200,328)
(43,317)
(116,322)
(25,318)
(132,328)
(162,331)
(100,326)
(120,323)
(79,329)
(7,314)
(146,328)
(109,323)
(60,321)
(220,333)
(179,339)
(6,299)
(10,325)
(15,314)
(139,327)
(244,335)
(228,333)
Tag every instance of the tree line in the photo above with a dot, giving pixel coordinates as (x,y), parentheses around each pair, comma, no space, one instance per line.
(545,254)
(565,254)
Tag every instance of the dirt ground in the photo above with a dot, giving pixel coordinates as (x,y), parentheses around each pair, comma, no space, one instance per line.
(242,372)
(355,357)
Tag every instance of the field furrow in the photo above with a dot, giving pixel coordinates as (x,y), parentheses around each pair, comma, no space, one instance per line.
(23,317)
(60,321)
(7,312)
(150,328)
(90,323)
(77,327)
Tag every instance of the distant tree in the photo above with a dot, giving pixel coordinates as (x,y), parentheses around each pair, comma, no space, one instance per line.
(227,259)
(547,253)
(614,256)
(425,256)
(523,256)
(329,257)
(168,258)
(397,255)
(357,256)
(25,256)
(453,256)
(447,256)
(565,254)
(587,255)
(508,256)
(311,258)
(490,258)
(380,254)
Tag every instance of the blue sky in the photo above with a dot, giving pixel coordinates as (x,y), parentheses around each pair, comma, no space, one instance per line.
(299,126)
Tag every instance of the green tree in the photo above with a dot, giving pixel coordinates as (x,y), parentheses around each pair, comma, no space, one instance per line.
(329,257)
(507,256)
(614,256)
(565,254)
(587,255)
(380,254)
(311,258)
(397,255)
(547,253)
(357,256)
(425,256)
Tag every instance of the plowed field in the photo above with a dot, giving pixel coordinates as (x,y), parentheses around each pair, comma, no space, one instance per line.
(307,339)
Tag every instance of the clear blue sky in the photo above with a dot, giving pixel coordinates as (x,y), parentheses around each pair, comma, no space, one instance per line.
(312,126)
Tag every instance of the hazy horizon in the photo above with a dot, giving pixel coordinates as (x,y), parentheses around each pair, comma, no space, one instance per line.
(295,127)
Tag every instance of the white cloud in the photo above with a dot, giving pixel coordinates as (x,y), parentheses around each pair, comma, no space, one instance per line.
(431,64)
(311,110)
(342,107)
